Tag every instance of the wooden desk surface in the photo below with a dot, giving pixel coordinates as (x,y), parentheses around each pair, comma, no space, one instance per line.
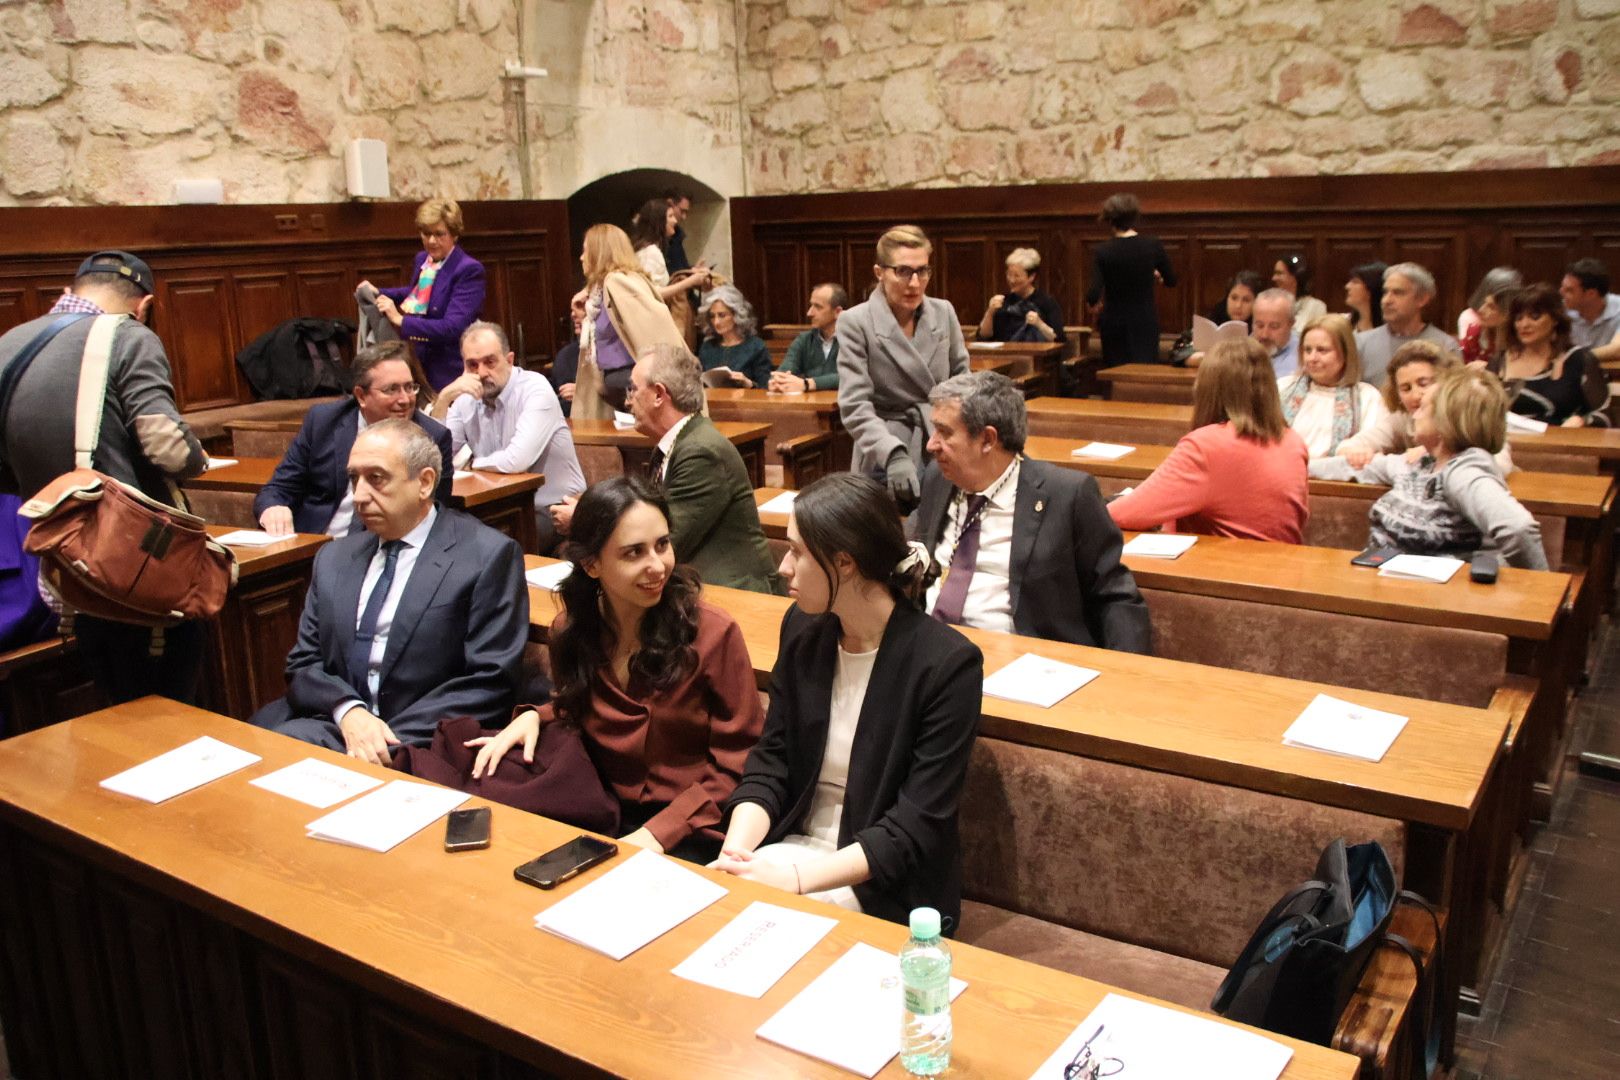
(1601,443)
(817,401)
(1204,722)
(257,560)
(604,433)
(1092,407)
(455,933)
(250,474)
(1017,348)
(1149,373)
(1003,364)
(1562,494)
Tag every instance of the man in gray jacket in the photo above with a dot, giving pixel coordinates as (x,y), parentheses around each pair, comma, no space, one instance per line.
(143,442)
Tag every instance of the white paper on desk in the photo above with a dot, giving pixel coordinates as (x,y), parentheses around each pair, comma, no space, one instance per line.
(1436,568)
(460,474)
(1160,545)
(1156,1043)
(754,950)
(549,577)
(249,538)
(634,903)
(1102,451)
(850,1015)
(1525,425)
(782,504)
(387,817)
(316,783)
(988,344)
(623,419)
(219,463)
(1035,680)
(198,762)
(1343,727)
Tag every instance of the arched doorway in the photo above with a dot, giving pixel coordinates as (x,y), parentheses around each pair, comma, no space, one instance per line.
(615,198)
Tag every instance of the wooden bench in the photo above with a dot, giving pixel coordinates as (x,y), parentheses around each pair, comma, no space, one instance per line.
(791,417)
(44,683)
(212,426)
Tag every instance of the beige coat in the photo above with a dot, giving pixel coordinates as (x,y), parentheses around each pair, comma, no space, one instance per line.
(640,319)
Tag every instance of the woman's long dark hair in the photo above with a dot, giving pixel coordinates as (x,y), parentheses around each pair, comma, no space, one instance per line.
(585,644)
(1255,284)
(854,514)
(1372,276)
(649,225)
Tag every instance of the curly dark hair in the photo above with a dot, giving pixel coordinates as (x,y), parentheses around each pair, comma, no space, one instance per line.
(1537,300)
(584,645)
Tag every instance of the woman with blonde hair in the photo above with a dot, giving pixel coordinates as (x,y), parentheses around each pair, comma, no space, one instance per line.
(1025,312)
(1326,401)
(892,350)
(1452,500)
(1240,471)
(623,316)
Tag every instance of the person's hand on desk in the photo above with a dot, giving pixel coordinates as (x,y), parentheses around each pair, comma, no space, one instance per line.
(566,391)
(1357,456)
(641,838)
(367,737)
(524,730)
(389,309)
(1574,421)
(562,513)
(783,382)
(277,520)
(747,865)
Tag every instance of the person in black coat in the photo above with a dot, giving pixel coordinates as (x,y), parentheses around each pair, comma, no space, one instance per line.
(854,786)
(1124,271)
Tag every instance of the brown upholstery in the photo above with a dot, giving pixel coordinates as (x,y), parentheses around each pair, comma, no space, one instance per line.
(1129,967)
(1338,521)
(599,463)
(1125,429)
(209,424)
(1435,663)
(233,508)
(261,442)
(1170,863)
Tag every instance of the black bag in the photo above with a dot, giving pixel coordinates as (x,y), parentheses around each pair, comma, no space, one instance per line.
(1304,961)
(300,358)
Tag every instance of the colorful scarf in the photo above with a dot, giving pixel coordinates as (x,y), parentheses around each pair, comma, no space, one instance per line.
(1346,409)
(417,302)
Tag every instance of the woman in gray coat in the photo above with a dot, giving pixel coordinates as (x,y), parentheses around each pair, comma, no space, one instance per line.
(892,350)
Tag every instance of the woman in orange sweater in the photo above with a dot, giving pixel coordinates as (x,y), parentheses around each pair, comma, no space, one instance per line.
(1240,471)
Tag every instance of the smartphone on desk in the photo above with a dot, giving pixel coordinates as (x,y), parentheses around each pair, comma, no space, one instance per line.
(572,859)
(467,830)
(1375,556)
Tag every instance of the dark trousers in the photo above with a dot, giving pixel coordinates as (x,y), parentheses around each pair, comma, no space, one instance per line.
(118,656)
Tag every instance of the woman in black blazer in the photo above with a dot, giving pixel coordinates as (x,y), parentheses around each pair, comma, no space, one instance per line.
(854,786)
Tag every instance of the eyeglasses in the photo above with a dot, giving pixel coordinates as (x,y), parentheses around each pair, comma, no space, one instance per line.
(1085,1066)
(409,389)
(906,273)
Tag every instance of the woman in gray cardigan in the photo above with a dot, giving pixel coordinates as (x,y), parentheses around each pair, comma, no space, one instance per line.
(892,350)
(1451,500)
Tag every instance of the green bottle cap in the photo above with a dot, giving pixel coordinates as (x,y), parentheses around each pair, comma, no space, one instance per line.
(924,923)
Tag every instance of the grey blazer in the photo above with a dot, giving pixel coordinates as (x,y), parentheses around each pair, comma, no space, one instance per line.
(1068,583)
(457,641)
(884,377)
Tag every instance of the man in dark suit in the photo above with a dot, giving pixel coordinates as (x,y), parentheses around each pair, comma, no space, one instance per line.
(309,491)
(1027,547)
(714,522)
(420,617)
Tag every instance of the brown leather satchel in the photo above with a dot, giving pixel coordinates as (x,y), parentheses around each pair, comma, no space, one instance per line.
(107,549)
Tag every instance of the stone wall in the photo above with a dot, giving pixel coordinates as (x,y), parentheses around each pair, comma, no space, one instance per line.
(862,94)
(111,101)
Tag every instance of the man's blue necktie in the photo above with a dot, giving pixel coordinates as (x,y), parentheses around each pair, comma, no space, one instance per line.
(360,651)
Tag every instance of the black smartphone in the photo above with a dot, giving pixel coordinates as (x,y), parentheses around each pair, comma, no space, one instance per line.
(467,830)
(1375,556)
(1482,568)
(572,859)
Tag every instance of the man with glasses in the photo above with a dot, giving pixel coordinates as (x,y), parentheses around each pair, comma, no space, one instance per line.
(892,350)
(309,492)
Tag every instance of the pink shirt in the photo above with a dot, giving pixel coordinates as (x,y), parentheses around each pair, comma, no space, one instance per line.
(1222,484)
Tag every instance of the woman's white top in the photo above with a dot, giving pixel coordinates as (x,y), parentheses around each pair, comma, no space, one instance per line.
(651,259)
(1314,421)
(1307,308)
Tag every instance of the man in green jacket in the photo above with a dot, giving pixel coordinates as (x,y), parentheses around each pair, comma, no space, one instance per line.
(812,360)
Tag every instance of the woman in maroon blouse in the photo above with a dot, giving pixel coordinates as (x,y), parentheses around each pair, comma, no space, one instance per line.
(659,682)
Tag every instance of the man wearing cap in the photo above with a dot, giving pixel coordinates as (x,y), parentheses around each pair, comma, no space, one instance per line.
(143,442)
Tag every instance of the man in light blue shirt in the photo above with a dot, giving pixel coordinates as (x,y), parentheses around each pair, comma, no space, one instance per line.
(506,419)
(1274,328)
(1594,311)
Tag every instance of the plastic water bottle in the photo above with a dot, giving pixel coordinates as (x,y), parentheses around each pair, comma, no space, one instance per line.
(925,983)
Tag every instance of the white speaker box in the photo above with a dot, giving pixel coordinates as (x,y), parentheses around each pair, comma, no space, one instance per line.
(365,161)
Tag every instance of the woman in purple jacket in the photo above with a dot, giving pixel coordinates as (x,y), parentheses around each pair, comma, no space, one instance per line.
(445,296)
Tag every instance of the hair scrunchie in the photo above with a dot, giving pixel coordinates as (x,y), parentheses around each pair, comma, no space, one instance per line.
(916,555)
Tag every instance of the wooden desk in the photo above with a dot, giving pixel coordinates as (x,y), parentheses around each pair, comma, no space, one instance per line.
(1602,444)
(636,448)
(1149,382)
(789,416)
(1010,365)
(250,638)
(503,501)
(207,936)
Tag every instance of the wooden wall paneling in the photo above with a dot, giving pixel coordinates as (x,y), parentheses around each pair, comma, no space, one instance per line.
(146,981)
(823,263)
(410,1048)
(22,1000)
(74,1016)
(325,292)
(1341,254)
(194,319)
(961,272)
(1605,245)
(220,1012)
(15,306)
(384,275)
(310,1021)
(1174,304)
(264,300)
(526,311)
(1212,262)
(783,284)
(1539,251)
(1442,254)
